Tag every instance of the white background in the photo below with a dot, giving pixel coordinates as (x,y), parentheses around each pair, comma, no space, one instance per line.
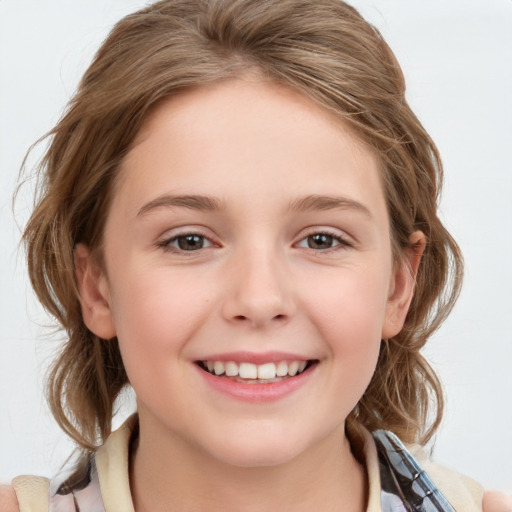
(457,58)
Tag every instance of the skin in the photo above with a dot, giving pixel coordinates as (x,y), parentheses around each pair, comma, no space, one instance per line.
(257,284)
(258,150)
(496,501)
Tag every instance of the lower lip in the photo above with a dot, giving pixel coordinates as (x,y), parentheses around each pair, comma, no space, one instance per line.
(257,393)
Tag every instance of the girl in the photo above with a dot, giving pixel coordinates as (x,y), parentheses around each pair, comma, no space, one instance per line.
(238,218)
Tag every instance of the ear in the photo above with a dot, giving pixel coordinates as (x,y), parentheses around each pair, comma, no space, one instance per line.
(401,288)
(94,294)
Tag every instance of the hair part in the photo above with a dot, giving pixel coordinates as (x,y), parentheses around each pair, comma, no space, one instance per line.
(323,49)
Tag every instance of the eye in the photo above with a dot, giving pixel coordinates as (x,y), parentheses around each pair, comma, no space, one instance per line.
(187,242)
(322,241)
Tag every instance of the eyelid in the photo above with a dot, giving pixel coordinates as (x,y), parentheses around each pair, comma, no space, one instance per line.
(176,238)
(345,241)
(170,236)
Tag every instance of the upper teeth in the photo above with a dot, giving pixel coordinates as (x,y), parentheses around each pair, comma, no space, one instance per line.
(256,371)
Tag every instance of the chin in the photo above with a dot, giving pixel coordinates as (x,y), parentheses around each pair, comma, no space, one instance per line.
(258,456)
(263,448)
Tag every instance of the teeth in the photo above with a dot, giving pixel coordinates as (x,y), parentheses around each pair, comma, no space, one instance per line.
(267,371)
(231,369)
(250,371)
(218,368)
(282,369)
(293,368)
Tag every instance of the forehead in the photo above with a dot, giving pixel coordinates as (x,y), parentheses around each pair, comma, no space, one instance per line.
(253,103)
(247,136)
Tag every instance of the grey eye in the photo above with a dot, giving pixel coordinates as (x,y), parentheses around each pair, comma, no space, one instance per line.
(189,242)
(320,241)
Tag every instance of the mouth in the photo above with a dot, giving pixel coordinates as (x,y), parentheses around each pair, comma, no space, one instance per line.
(250,373)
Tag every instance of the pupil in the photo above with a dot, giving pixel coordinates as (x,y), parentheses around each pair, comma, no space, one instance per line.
(190,242)
(320,241)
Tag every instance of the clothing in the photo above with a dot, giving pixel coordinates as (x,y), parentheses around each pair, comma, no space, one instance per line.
(397,476)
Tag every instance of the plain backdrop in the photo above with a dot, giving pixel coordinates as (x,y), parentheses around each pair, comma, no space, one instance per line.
(457,59)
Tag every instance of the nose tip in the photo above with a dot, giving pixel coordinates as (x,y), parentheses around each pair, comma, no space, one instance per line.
(260,295)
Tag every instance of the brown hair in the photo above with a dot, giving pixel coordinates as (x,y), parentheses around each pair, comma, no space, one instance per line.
(322,48)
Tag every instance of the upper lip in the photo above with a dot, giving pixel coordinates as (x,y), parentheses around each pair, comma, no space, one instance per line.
(255,357)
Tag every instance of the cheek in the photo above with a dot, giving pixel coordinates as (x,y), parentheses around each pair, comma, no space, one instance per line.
(352,304)
(155,314)
(350,316)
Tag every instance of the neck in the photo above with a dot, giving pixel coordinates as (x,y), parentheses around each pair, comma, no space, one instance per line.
(168,474)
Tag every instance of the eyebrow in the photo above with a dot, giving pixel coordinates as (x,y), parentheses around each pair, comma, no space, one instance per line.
(209,203)
(322,202)
(193,202)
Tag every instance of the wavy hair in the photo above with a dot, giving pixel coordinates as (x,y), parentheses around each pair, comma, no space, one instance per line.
(325,50)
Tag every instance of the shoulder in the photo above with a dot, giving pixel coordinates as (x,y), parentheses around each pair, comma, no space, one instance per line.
(8,500)
(30,493)
(495,501)
(462,492)
(402,465)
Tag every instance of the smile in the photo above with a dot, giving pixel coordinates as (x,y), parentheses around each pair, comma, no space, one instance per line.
(255,373)
(256,377)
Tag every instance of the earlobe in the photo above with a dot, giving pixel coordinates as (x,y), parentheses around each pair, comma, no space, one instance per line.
(402,286)
(94,294)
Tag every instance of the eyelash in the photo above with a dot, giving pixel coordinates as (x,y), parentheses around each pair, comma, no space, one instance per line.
(343,242)
(166,245)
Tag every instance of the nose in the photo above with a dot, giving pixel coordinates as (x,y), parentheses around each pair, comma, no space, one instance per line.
(259,292)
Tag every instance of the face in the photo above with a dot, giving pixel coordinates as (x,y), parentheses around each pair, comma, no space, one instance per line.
(247,274)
